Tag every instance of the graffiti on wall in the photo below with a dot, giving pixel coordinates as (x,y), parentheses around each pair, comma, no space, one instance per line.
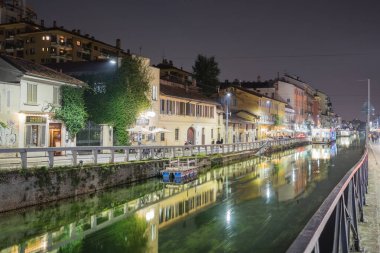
(8,136)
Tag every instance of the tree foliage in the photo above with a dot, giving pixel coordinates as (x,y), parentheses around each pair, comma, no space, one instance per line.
(72,110)
(118,98)
(277,120)
(206,71)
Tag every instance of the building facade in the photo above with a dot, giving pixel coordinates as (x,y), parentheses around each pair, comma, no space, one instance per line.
(45,45)
(15,11)
(26,92)
(262,114)
(187,115)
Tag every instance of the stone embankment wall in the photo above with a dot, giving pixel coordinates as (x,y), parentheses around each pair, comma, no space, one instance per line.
(27,187)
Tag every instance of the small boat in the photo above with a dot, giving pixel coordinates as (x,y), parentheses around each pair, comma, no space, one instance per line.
(179,172)
(323,135)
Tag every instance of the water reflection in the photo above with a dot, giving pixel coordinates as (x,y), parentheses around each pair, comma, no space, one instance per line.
(226,209)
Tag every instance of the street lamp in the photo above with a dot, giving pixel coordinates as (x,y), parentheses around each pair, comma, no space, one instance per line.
(228,95)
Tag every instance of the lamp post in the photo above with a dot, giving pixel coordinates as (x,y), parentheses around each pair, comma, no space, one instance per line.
(368,106)
(228,95)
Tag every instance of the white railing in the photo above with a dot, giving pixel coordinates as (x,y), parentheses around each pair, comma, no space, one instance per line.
(77,156)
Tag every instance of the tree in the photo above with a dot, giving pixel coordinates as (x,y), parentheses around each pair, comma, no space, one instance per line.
(118,98)
(72,110)
(206,71)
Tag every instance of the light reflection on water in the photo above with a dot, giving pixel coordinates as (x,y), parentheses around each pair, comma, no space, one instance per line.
(256,205)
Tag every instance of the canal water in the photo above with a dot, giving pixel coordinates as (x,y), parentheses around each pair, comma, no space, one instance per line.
(255,205)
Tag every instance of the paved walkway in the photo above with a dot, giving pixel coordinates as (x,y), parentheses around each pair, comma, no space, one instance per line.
(369,231)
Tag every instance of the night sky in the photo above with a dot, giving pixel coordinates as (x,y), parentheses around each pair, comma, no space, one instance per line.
(330,44)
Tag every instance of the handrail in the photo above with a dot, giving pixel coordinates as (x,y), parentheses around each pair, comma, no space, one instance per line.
(345,199)
(135,152)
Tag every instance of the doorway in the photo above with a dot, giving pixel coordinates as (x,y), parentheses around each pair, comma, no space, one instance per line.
(191,135)
(55,136)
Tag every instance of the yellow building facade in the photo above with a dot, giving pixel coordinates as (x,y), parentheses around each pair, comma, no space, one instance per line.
(264,112)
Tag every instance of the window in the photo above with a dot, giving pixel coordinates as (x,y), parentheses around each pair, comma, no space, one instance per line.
(162,106)
(162,136)
(182,108)
(78,43)
(56,95)
(212,133)
(288,100)
(212,112)
(32,51)
(31,93)
(176,134)
(154,92)
(35,135)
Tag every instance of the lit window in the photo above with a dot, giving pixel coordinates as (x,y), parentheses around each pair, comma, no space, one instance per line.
(43,49)
(47,37)
(78,43)
(43,38)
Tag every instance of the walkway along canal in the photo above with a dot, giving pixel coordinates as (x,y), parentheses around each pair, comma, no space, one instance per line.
(256,205)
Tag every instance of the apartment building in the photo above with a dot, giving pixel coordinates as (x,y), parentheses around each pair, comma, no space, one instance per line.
(44,45)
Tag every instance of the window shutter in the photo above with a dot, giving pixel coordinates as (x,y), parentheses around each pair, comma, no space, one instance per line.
(43,136)
(9,98)
(55,96)
(28,135)
(34,93)
(29,93)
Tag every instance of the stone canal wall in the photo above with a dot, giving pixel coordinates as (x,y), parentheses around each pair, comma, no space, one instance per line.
(27,187)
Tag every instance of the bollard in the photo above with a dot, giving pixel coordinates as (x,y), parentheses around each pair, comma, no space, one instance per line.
(51,159)
(95,154)
(112,159)
(74,153)
(24,159)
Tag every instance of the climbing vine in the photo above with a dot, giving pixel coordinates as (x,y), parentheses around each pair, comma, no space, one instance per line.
(118,99)
(3,125)
(72,110)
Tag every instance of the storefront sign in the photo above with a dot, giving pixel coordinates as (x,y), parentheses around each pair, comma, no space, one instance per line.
(35,120)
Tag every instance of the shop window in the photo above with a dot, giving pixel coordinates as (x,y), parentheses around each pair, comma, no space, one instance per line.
(35,135)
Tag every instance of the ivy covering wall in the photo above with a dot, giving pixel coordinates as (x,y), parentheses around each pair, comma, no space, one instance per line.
(72,110)
(118,98)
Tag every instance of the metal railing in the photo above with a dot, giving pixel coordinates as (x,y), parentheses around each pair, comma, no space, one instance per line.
(334,226)
(59,156)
